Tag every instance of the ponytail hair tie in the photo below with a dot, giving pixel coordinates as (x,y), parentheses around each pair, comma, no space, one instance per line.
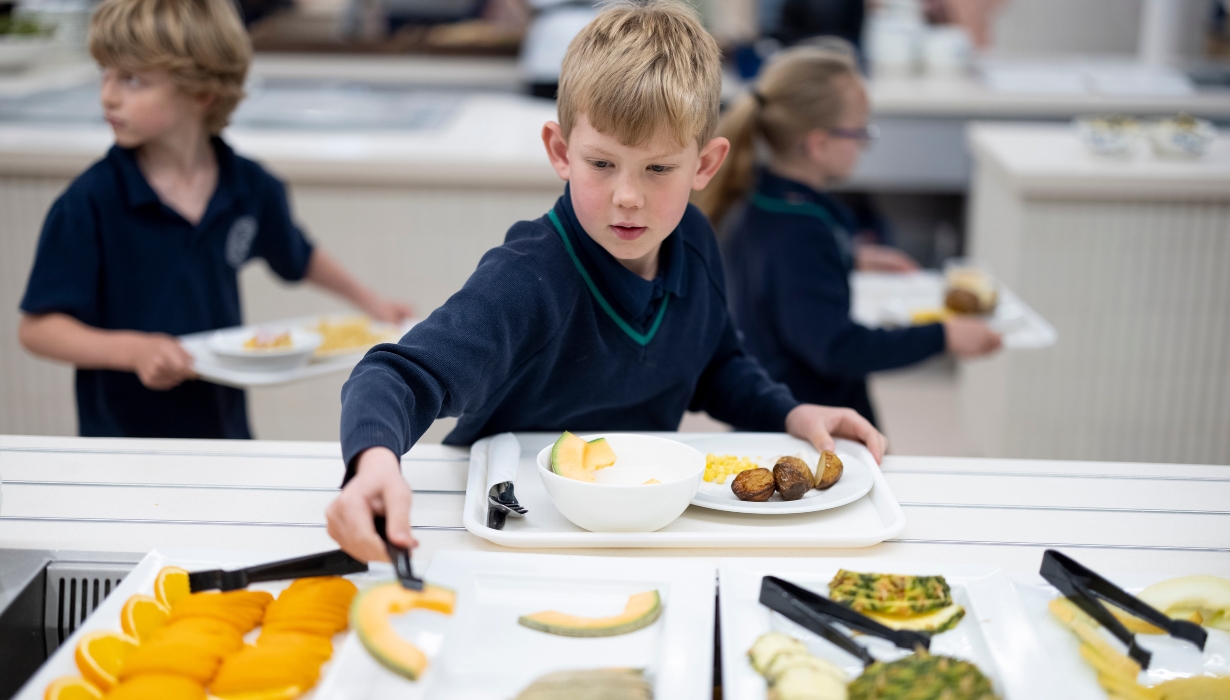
(758,97)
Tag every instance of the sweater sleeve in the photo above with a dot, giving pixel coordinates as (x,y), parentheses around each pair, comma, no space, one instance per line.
(812,315)
(736,389)
(456,358)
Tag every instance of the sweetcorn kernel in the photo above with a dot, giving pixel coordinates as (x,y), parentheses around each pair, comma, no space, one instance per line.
(718,468)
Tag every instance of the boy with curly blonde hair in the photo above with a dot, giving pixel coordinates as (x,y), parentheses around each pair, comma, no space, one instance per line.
(608,313)
(147,243)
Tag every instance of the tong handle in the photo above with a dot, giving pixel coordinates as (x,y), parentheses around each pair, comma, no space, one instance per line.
(399,556)
(774,598)
(905,639)
(334,563)
(1084,587)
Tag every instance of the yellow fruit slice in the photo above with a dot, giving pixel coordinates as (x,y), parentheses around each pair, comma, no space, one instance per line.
(189,658)
(71,688)
(171,585)
(100,655)
(157,686)
(241,609)
(287,693)
(142,615)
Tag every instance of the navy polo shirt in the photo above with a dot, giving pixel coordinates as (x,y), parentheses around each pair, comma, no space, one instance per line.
(552,333)
(113,256)
(788,259)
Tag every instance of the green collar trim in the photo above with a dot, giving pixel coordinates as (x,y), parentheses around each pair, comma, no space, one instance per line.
(781,206)
(641,339)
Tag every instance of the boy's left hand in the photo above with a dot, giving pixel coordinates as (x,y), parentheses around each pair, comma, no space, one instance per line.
(820,424)
(388,311)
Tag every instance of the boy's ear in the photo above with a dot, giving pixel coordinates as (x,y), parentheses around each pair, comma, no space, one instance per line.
(557,149)
(711,158)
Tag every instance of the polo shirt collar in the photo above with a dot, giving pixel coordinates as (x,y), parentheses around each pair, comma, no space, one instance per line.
(634,294)
(140,194)
(775,186)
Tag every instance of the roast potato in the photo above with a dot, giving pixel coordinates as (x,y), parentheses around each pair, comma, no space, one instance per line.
(754,485)
(829,470)
(963,301)
(792,477)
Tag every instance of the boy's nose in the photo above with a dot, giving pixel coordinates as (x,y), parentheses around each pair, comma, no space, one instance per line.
(627,195)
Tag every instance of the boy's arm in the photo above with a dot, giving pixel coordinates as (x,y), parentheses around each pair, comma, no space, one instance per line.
(158,360)
(326,272)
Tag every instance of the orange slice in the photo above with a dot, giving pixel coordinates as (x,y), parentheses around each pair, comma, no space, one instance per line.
(171,585)
(100,655)
(157,686)
(241,609)
(142,615)
(188,658)
(288,693)
(71,688)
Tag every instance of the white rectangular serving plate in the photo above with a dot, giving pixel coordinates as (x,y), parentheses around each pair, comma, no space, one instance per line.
(207,366)
(141,580)
(1172,658)
(994,634)
(865,522)
(482,653)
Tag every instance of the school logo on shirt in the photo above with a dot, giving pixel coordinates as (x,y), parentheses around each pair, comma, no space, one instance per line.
(239,240)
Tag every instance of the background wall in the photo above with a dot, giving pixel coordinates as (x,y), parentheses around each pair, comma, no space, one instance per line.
(1068,27)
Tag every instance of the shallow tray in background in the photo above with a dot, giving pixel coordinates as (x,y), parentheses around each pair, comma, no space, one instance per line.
(869,520)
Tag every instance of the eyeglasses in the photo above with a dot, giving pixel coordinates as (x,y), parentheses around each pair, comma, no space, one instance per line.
(865,134)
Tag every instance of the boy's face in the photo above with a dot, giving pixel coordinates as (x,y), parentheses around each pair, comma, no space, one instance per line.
(142,106)
(630,198)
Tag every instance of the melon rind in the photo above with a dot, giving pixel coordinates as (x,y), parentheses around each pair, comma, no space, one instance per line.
(568,458)
(573,626)
(369,617)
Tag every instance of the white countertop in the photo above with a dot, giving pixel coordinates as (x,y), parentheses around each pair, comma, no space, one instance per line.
(1050,160)
(135,495)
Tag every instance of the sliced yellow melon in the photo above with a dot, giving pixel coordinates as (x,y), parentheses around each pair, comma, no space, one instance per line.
(598,455)
(568,458)
(369,616)
(641,611)
(934,622)
(1209,596)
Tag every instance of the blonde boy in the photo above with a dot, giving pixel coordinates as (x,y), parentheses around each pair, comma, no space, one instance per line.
(608,313)
(146,244)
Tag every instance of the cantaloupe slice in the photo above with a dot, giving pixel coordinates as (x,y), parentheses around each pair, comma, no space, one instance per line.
(641,611)
(598,455)
(369,616)
(568,458)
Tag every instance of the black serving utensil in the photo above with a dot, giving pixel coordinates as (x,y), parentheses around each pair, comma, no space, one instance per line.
(1084,588)
(400,556)
(817,613)
(334,563)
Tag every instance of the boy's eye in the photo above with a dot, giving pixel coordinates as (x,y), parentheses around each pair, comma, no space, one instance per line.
(601,164)
(661,168)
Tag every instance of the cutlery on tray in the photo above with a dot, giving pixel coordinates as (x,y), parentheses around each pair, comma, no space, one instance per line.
(1086,589)
(817,613)
(400,556)
(503,458)
(334,563)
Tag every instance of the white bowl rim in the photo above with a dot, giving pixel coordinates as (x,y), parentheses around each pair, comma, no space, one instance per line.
(689,475)
(311,341)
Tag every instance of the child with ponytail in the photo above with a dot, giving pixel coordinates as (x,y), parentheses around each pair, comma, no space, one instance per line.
(788,245)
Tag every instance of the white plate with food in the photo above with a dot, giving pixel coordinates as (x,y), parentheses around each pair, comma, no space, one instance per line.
(344,335)
(973,611)
(269,348)
(515,622)
(1179,597)
(727,456)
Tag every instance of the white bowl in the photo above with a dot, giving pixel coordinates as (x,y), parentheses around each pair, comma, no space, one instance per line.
(1112,135)
(228,346)
(1183,138)
(619,500)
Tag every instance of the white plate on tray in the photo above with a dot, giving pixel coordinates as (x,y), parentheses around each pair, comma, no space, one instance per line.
(765,449)
(867,521)
(994,634)
(141,580)
(1172,658)
(485,655)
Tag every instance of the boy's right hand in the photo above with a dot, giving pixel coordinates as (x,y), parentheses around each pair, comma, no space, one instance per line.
(160,362)
(970,337)
(377,488)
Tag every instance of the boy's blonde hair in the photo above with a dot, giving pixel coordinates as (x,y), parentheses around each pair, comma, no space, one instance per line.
(640,67)
(201,43)
(799,90)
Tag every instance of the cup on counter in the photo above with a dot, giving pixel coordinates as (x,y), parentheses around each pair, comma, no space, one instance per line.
(1109,134)
(1183,136)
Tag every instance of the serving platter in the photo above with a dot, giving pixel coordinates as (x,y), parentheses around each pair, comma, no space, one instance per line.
(141,580)
(482,653)
(1172,658)
(856,479)
(995,633)
(869,520)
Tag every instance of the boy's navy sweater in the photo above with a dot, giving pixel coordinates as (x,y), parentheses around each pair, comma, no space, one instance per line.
(525,346)
(790,294)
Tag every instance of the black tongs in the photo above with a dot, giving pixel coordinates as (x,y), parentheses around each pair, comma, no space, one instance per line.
(335,563)
(400,556)
(817,613)
(1084,587)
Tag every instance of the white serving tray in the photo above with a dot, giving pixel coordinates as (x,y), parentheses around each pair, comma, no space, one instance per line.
(1172,658)
(865,522)
(141,580)
(886,299)
(483,654)
(208,367)
(994,634)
